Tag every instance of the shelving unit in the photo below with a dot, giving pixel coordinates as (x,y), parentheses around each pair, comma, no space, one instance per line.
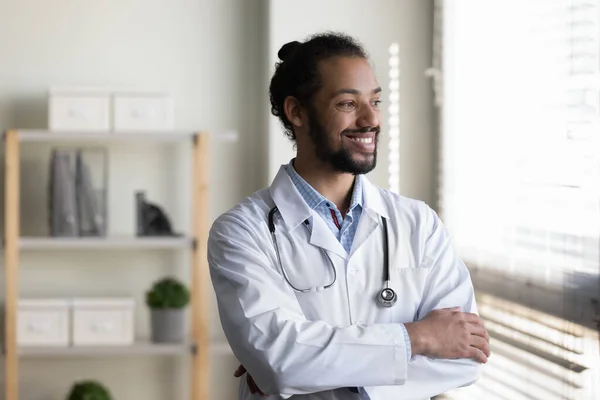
(109,243)
(199,347)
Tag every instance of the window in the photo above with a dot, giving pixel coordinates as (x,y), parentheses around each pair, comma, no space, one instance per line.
(518,85)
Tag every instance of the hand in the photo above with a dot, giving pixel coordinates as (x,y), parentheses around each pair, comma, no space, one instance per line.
(450,333)
(251,384)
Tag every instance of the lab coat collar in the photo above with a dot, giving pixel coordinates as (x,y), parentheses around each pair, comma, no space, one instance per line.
(295,211)
(374,204)
(289,201)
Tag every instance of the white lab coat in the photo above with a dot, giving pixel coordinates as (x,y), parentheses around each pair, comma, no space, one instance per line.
(313,346)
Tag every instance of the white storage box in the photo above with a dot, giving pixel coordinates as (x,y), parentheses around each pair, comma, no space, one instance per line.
(142,111)
(43,322)
(79,109)
(103,321)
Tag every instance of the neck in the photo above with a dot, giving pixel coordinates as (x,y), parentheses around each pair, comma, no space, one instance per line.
(333,185)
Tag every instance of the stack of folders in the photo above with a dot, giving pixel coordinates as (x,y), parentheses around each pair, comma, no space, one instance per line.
(76,203)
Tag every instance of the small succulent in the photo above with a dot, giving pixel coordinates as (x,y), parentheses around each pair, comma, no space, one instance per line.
(167,293)
(89,390)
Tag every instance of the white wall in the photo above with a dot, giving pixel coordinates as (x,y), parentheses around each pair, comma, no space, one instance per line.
(377,24)
(206,51)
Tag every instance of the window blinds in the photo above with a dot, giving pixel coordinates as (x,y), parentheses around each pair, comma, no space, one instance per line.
(520,154)
(517,88)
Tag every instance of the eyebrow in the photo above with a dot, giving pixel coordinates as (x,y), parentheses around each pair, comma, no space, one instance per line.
(354,91)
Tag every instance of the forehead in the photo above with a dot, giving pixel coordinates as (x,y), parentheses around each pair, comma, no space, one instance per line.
(347,73)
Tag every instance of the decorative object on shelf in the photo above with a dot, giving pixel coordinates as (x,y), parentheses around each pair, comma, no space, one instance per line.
(151,219)
(89,390)
(77,192)
(167,300)
(62,205)
(91,184)
(103,321)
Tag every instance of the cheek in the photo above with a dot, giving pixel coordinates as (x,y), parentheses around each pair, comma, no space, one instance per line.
(339,122)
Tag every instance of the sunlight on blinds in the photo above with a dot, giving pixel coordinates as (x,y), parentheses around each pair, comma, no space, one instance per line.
(520,186)
(534,356)
(521,145)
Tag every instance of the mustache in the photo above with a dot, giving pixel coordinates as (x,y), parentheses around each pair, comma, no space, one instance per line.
(367,129)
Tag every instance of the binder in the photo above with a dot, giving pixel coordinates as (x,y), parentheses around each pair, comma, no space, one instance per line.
(77,201)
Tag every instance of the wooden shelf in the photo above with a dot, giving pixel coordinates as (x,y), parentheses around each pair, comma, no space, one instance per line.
(14,244)
(139,348)
(109,243)
(82,136)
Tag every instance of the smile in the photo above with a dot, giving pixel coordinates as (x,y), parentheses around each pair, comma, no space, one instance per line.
(367,140)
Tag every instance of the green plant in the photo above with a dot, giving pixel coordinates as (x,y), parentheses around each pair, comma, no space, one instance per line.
(89,390)
(167,293)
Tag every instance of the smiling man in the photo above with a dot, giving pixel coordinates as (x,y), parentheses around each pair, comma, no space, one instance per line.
(329,287)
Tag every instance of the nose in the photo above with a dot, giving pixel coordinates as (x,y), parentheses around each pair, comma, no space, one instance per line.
(368,117)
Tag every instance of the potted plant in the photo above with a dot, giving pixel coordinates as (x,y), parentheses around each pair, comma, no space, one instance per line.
(167,300)
(89,390)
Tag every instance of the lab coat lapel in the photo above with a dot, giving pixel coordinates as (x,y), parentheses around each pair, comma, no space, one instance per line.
(289,201)
(322,236)
(295,211)
(373,209)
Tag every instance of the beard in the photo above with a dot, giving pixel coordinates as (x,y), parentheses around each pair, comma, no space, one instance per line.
(341,160)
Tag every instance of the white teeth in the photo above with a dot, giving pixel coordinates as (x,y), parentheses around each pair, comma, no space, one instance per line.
(362,140)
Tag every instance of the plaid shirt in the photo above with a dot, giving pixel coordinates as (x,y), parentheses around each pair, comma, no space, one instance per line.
(342,228)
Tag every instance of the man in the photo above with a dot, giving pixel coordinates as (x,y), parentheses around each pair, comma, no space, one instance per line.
(302,269)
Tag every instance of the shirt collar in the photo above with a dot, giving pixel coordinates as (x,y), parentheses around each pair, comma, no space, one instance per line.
(314,198)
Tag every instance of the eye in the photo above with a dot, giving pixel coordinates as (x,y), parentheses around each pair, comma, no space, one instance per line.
(376,103)
(346,104)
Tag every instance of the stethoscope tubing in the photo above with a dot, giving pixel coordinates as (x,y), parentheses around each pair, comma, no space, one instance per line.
(383,300)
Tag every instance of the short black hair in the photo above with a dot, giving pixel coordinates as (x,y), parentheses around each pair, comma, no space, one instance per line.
(297,73)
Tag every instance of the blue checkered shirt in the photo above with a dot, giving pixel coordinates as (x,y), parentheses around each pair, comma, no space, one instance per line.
(347,226)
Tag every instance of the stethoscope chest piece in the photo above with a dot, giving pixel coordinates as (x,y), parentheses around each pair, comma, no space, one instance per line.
(387,297)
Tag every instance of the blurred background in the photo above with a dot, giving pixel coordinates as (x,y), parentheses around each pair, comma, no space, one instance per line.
(491,116)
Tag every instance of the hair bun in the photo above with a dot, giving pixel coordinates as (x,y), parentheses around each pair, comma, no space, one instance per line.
(288,49)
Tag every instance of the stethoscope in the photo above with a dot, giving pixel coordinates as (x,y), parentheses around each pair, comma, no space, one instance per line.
(386,297)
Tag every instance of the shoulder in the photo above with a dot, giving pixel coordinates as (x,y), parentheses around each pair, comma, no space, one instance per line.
(246,217)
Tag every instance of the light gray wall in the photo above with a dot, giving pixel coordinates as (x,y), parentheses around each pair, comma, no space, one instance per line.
(206,51)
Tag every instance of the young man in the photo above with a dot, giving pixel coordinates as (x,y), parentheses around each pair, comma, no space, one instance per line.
(327,286)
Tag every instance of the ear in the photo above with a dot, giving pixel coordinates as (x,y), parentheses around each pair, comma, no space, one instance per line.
(294,111)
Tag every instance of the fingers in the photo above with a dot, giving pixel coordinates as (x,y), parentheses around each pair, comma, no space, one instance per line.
(481,344)
(249,381)
(478,355)
(253,387)
(239,371)
(473,318)
(479,330)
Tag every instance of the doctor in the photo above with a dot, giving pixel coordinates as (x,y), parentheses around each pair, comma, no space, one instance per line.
(328,287)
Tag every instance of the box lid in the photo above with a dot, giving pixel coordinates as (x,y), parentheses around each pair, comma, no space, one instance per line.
(43,303)
(100,302)
(79,91)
